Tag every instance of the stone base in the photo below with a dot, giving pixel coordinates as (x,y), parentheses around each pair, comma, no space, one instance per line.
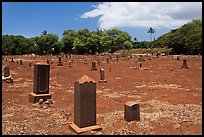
(59,64)
(34,98)
(102,81)
(79,130)
(93,68)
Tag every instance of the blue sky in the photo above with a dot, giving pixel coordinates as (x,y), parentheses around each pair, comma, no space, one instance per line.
(31,18)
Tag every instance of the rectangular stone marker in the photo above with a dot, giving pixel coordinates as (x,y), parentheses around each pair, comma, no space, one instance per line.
(93,65)
(6,71)
(59,62)
(41,83)
(102,76)
(131,111)
(84,105)
(21,62)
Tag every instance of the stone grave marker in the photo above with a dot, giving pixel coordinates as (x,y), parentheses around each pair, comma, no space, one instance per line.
(30,65)
(93,65)
(70,64)
(7,75)
(84,105)
(60,62)
(184,65)
(177,58)
(21,62)
(102,76)
(41,83)
(12,60)
(131,111)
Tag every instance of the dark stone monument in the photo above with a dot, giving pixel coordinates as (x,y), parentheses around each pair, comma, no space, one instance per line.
(30,64)
(48,61)
(184,65)
(41,83)
(102,79)
(131,111)
(84,105)
(93,65)
(140,65)
(177,58)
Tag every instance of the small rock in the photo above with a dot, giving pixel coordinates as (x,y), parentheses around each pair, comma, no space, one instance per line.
(40,101)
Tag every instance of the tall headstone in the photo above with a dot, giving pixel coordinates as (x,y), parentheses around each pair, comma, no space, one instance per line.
(131,111)
(140,65)
(93,65)
(12,60)
(84,105)
(102,76)
(41,83)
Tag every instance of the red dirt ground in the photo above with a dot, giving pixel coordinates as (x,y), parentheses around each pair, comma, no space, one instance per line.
(170,98)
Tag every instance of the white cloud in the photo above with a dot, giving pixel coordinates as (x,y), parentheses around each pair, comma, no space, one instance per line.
(145,14)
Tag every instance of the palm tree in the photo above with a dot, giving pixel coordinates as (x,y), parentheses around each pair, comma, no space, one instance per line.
(151,31)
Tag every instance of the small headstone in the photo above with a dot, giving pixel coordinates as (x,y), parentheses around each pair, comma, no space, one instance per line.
(107,60)
(48,61)
(59,62)
(140,65)
(85,61)
(131,111)
(21,62)
(12,60)
(30,64)
(102,76)
(93,65)
(70,64)
(177,58)
(17,61)
(6,71)
(184,65)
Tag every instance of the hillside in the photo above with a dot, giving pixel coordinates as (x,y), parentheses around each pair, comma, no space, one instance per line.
(185,40)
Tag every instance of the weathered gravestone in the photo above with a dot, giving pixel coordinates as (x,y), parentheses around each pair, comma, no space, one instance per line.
(84,105)
(70,64)
(12,60)
(93,65)
(184,65)
(140,65)
(41,83)
(102,76)
(131,111)
(7,76)
(30,64)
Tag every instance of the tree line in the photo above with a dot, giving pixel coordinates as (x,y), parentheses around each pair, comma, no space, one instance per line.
(184,40)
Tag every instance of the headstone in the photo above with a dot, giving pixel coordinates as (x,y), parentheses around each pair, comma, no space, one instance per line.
(41,83)
(21,62)
(107,60)
(177,58)
(93,65)
(131,111)
(6,71)
(184,65)
(17,61)
(12,60)
(70,64)
(140,65)
(85,61)
(84,105)
(102,76)
(59,62)
(30,64)
(48,61)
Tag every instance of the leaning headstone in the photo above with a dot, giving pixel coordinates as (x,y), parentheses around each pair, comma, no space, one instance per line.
(84,105)
(102,76)
(41,83)
(131,111)
(93,65)
(184,65)
(60,62)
